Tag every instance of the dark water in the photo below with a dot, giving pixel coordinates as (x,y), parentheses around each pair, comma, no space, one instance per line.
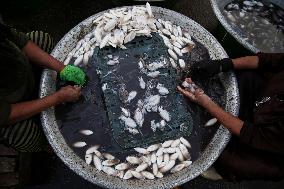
(90,112)
(261,23)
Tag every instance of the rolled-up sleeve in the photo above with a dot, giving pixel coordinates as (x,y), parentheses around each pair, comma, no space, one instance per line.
(5,110)
(273,62)
(266,137)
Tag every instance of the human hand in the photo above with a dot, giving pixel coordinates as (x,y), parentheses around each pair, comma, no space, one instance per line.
(209,68)
(69,94)
(74,74)
(193,92)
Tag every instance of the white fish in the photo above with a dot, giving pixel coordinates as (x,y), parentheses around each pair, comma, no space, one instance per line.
(176,44)
(186,163)
(131,96)
(110,162)
(105,40)
(148,175)
(153,74)
(160,160)
(168,167)
(159,175)
(127,175)
(155,168)
(108,156)
(140,64)
(142,83)
(180,156)
(162,90)
(163,164)
(132,130)
(160,151)
(125,112)
(129,37)
(97,163)
(141,167)
(98,153)
(122,166)
(184,151)
(179,31)
(109,170)
(149,10)
(175,143)
(128,121)
(78,60)
(185,142)
(210,122)
(162,123)
(151,102)
(181,63)
(172,54)
(185,84)
(92,149)
(137,174)
(120,174)
(153,147)
(177,168)
(177,50)
(141,150)
(166,158)
(167,143)
(167,32)
(67,60)
(174,156)
(86,132)
(170,150)
(153,157)
(111,24)
(104,86)
(98,34)
(112,62)
(164,114)
(146,159)
(139,117)
(88,158)
(133,160)
(79,144)
(173,63)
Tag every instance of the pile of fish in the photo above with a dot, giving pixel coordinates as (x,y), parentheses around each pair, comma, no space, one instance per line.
(152,162)
(261,22)
(120,26)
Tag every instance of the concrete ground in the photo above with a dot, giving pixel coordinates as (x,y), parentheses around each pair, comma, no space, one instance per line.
(57,17)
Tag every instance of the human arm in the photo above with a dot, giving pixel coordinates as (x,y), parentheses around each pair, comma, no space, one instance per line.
(37,56)
(229,121)
(23,110)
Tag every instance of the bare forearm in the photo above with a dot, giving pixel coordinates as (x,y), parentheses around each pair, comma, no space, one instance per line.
(247,62)
(24,110)
(231,122)
(41,58)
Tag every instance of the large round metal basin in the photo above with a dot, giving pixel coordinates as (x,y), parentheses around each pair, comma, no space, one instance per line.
(209,154)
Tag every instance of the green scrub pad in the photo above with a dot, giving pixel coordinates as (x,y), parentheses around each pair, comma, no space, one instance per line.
(73,73)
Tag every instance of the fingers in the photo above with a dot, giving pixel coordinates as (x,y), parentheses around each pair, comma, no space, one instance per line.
(186,93)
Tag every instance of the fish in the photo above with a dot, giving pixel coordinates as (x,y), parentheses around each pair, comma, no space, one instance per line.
(133,160)
(153,74)
(148,175)
(142,83)
(108,156)
(122,166)
(167,143)
(177,168)
(88,158)
(92,149)
(129,122)
(168,167)
(139,117)
(125,112)
(86,132)
(127,175)
(172,54)
(97,163)
(141,150)
(153,147)
(164,114)
(110,162)
(109,170)
(141,167)
(79,144)
(181,63)
(211,122)
(131,96)
(185,142)
(78,60)
(162,90)
(175,143)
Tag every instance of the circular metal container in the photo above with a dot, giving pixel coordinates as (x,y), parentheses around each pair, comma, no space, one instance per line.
(218,6)
(78,165)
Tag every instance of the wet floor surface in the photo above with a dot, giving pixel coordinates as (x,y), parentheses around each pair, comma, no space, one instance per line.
(57,18)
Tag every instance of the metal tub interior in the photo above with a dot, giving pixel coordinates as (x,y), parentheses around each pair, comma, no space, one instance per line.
(218,6)
(78,165)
